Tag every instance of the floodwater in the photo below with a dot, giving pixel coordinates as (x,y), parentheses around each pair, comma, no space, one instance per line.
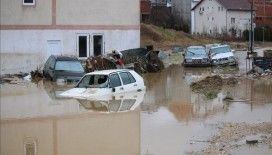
(168,119)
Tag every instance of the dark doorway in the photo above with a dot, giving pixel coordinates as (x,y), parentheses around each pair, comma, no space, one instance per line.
(98,44)
(82,46)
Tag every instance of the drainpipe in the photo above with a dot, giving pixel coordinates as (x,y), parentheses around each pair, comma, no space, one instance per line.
(226,22)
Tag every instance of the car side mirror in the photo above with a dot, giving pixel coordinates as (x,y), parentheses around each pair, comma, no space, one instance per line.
(113,90)
(183,54)
(51,68)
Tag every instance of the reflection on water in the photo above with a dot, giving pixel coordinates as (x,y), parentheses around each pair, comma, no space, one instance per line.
(174,117)
(36,118)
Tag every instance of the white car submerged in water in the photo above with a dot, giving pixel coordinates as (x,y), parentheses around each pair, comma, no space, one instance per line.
(105,84)
(222,55)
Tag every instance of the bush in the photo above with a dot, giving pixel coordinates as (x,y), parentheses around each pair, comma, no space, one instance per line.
(260,34)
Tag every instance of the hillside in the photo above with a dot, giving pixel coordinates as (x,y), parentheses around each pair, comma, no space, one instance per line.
(165,38)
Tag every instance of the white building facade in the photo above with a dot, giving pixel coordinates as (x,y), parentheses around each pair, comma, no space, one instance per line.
(32,30)
(219,17)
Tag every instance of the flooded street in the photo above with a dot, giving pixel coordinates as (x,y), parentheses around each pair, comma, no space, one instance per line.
(168,119)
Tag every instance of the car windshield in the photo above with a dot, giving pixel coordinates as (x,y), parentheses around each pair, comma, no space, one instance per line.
(93,81)
(196,52)
(222,49)
(73,66)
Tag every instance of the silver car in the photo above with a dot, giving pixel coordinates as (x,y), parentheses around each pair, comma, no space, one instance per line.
(222,55)
(196,56)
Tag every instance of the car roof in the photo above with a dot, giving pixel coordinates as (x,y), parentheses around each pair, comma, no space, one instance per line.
(220,46)
(64,58)
(195,47)
(107,72)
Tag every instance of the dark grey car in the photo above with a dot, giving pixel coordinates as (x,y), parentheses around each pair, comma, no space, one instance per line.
(63,67)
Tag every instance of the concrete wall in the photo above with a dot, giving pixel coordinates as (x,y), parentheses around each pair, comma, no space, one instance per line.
(13,12)
(79,12)
(29,47)
(242,21)
(211,20)
(98,12)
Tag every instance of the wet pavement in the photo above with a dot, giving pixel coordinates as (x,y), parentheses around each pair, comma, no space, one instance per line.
(169,119)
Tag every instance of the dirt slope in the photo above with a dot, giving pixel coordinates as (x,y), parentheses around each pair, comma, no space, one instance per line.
(165,38)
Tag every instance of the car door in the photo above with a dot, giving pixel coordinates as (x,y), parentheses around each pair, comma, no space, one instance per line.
(115,83)
(129,82)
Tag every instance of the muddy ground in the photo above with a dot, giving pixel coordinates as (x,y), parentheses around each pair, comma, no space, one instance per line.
(171,119)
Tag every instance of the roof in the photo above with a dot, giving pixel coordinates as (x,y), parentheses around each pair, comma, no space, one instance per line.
(107,72)
(240,5)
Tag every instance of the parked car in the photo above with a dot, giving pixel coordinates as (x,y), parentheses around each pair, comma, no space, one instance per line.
(63,68)
(102,84)
(222,55)
(196,56)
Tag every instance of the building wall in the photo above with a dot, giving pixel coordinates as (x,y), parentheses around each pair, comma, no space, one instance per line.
(98,12)
(14,13)
(242,21)
(26,30)
(212,20)
(30,47)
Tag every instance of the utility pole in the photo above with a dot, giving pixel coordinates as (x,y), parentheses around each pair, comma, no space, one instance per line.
(251,28)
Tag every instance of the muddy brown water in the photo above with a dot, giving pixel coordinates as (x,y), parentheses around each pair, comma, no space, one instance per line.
(171,119)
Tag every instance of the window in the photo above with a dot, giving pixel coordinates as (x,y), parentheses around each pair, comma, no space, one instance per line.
(127,78)
(29,2)
(232,20)
(114,80)
(74,66)
(219,8)
(93,81)
(132,79)
(212,19)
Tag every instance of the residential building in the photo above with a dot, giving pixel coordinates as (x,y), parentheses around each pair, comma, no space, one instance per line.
(215,17)
(31,30)
(263,12)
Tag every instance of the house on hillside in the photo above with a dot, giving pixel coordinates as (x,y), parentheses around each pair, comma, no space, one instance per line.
(31,30)
(217,17)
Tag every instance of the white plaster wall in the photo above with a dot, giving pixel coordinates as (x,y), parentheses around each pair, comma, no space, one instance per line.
(242,20)
(211,18)
(29,47)
(98,12)
(14,12)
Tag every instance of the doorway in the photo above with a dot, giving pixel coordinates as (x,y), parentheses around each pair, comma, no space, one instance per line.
(83,45)
(98,45)
(53,47)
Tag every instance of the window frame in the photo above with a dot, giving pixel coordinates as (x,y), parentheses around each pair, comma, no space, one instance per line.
(29,4)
